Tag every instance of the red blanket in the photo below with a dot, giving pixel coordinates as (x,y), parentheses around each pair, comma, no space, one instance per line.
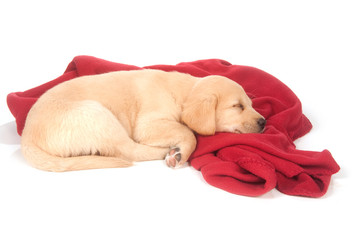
(246,164)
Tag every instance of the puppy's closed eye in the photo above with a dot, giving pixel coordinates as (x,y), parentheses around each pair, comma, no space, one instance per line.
(239,105)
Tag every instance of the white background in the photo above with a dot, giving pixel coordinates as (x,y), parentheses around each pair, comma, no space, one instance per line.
(312,46)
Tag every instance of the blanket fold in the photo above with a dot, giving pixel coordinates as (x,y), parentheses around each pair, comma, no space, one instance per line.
(245,164)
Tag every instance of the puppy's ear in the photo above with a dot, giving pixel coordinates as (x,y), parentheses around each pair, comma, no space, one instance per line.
(199,112)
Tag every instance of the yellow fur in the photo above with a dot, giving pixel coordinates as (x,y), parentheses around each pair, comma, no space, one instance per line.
(113,119)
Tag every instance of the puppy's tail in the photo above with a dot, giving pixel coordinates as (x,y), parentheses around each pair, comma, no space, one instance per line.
(45,161)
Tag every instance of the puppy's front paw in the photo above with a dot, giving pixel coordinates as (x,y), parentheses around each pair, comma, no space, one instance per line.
(173,158)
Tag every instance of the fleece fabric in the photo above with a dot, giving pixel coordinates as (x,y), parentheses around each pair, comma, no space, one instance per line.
(244,164)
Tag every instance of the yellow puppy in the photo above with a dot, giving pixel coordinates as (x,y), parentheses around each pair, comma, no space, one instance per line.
(113,119)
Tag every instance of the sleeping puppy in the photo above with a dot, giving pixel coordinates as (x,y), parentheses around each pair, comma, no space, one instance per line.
(113,119)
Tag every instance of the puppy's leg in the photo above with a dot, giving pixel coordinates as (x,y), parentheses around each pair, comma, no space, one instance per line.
(141,152)
(170,134)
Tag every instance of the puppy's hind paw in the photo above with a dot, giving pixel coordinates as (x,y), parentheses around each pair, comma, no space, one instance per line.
(173,158)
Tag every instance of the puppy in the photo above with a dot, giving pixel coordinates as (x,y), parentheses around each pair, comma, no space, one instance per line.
(113,119)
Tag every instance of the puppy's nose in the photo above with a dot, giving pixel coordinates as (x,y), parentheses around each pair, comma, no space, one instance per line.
(261,122)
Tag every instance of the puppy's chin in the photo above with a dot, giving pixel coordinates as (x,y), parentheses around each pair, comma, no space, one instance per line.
(243,131)
(237,131)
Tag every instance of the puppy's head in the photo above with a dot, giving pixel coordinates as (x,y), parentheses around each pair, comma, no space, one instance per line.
(218,104)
